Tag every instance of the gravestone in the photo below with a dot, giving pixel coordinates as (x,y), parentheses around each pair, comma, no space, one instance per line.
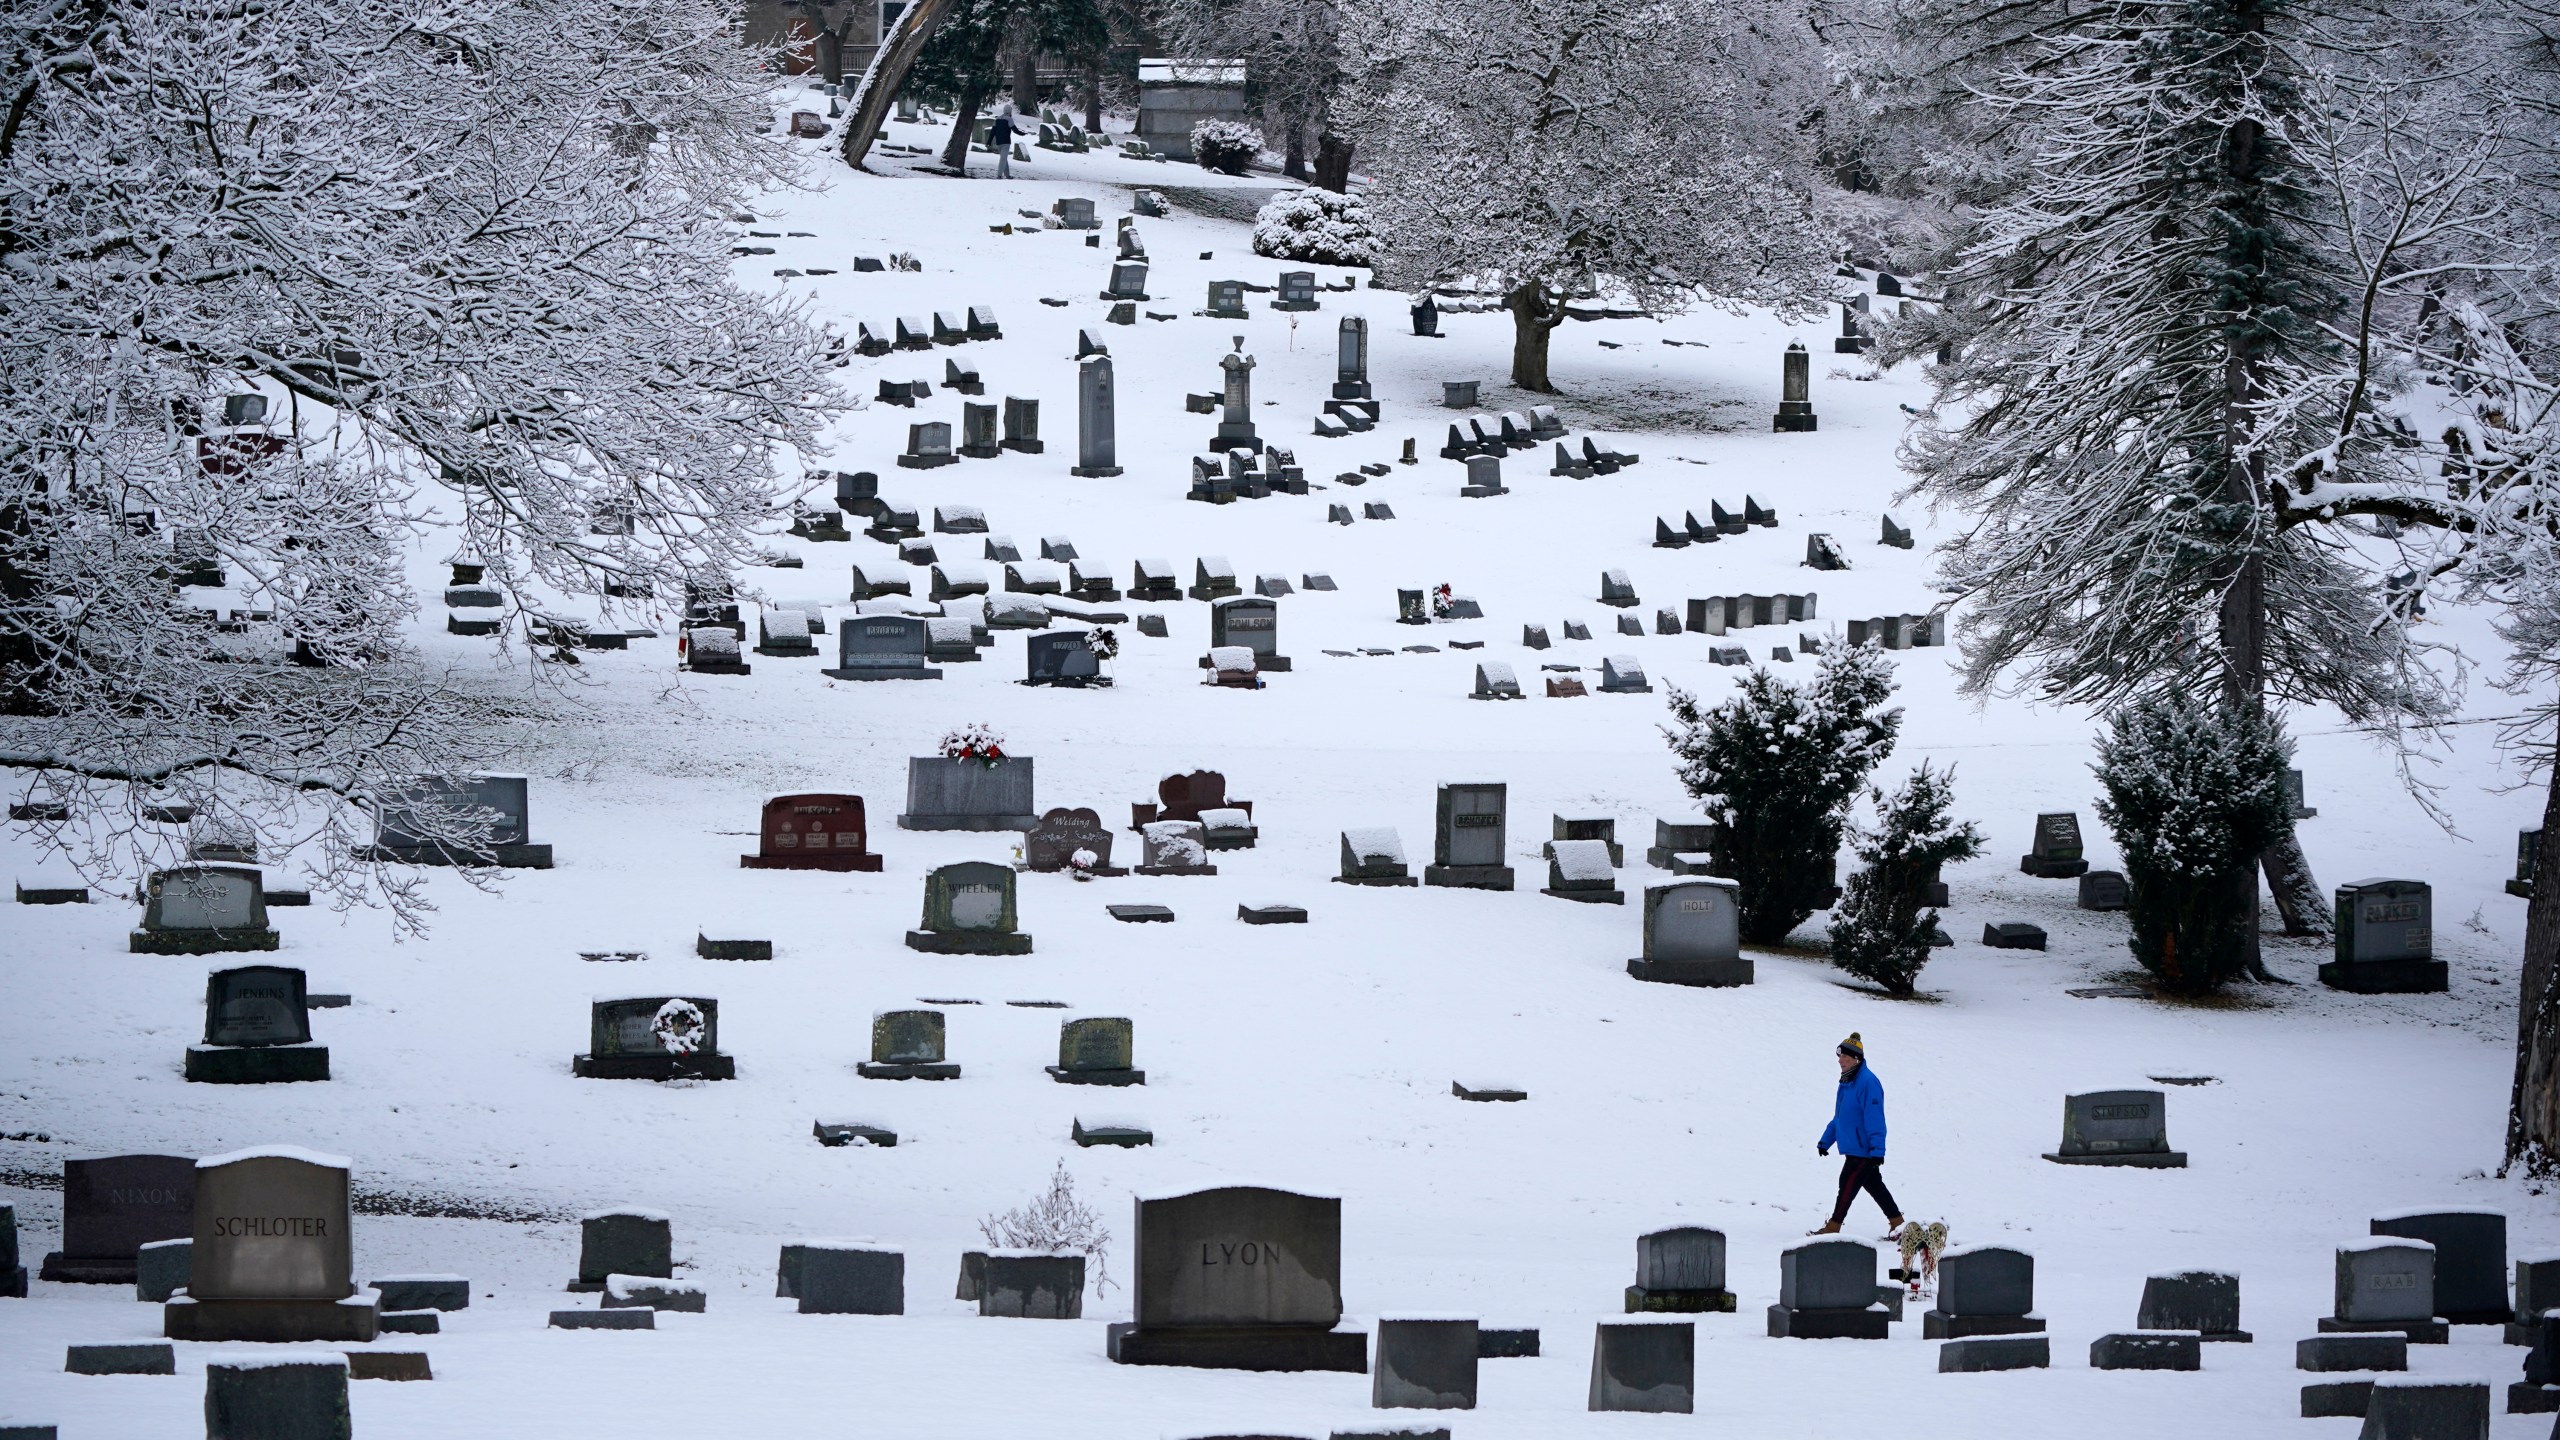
(1214,578)
(2146,1350)
(969,910)
(2528,856)
(1623,675)
(2471,1259)
(2103,890)
(273,1258)
(1235,425)
(1680,1270)
(1827,1291)
(1693,934)
(1351,359)
(1186,797)
(1983,1290)
(1251,621)
(111,1207)
(1484,478)
(1297,291)
(440,820)
(256,1030)
(882,647)
(1374,856)
(2387,1285)
(295,1396)
(2117,1127)
(1238,1278)
(623,1240)
(1175,847)
(2328,1354)
(2056,855)
(907,1045)
(1226,301)
(1678,837)
(1895,534)
(13,1271)
(1995,1352)
(1153,579)
(1128,281)
(784,632)
(1097,435)
(654,1037)
(1495,681)
(813,832)
(712,650)
(2205,1301)
(1096,1050)
(1063,658)
(204,909)
(977,438)
(1581,870)
(928,446)
(1424,1363)
(1795,392)
(1026,1284)
(2385,940)
(1645,1366)
(1467,838)
(1596,827)
(1061,834)
(944,793)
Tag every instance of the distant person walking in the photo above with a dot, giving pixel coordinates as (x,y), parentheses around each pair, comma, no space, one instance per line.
(1857,1127)
(1000,140)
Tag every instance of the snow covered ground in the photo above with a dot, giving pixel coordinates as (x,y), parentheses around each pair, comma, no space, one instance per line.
(1316,1058)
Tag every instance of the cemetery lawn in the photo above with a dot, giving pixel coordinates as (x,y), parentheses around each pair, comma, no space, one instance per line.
(1320,1057)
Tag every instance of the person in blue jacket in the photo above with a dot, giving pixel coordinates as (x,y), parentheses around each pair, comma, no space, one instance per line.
(1857,1127)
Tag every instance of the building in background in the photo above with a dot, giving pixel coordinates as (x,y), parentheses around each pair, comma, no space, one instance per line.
(1174,95)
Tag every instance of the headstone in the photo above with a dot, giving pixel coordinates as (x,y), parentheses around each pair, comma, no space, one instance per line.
(111,1207)
(1582,870)
(944,793)
(969,910)
(256,1030)
(2013,935)
(1175,847)
(1827,1291)
(654,1037)
(1995,1352)
(1075,212)
(1153,579)
(1297,291)
(1983,1290)
(843,1277)
(1235,425)
(1895,535)
(1249,620)
(1645,1366)
(2327,1354)
(1021,426)
(296,1396)
(1672,838)
(882,647)
(2387,1285)
(2205,1301)
(813,832)
(2433,1408)
(928,446)
(146,1359)
(1458,394)
(1795,392)
(907,1045)
(1484,478)
(431,823)
(1495,681)
(1680,1270)
(2103,890)
(2117,1127)
(2056,855)
(273,1258)
(1623,675)
(1693,933)
(2471,1259)
(2146,1350)
(1238,1278)
(1226,300)
(1096,1050)
(2385,939)
(1373,856)
(2528,856)
(1030,1284)
(1061,835)
(1424,1363)
(1468,838)
(1063,657)
(204,909)
(1128,281)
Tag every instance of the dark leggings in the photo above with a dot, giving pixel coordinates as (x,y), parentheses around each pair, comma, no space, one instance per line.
(1862,1172)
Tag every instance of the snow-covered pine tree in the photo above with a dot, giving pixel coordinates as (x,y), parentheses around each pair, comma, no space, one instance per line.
(2194,794)
(1774,768)
(1879,931)
(1548,151)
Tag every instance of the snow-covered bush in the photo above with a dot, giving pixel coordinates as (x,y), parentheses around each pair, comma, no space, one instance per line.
(1878,932)
(1225,146)
(1774,769)
(1316,226)
(1057,1222)
(2194,794)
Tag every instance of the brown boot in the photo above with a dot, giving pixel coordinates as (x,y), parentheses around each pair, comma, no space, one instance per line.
(1893,1226)
(1824,1230)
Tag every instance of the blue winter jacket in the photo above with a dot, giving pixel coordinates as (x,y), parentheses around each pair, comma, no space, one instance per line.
(1857,1115)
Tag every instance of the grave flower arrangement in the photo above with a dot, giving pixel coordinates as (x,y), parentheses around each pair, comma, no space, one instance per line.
(1081,864)
(1103,642)
(678,1026)
(977,742)
(1443,604)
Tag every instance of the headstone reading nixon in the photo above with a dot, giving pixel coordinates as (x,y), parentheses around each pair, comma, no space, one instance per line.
(654,1037)
(2471,1259)
(1467,838)
(204,909)
(1680,1270)
(2117,1127)
(1238,1278)
(944,793)
(969,910)
(114,1205)
(1693,934)
(257,1029)
(812,832)
(273,1257)
(2385,939)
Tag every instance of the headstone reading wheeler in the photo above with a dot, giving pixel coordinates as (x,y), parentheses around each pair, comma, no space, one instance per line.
(969,910)
(1693,934)
(1238,1278)
(812,832)
(112,1207)
(273,1256)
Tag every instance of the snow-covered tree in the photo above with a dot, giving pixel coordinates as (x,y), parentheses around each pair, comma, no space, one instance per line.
(1774,768)
(1882,926)
(473,260)
(1549,150)
(1292,51)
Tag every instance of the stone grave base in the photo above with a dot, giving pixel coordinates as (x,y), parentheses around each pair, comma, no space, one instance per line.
(1127,1137)
(655,1067)
(120,1360)
(456,625)
(1176,869)
(1487,1094)
(718,667)
(1233,839)
(969,942)
(2522,1333)
(1611,896)
(1867,1324)
(2147,1350)
(710,949)
(1093,472)
(1271,914)
(256,1065)
(1712,973)
(917,672)
(265,1321)
(604,1319)
(925,1070)
(2140,1160)
(967,822)
(1513,1343)
(64,1269)
(2011,1352)
(57,895)
(1096,1077)
(1258,1347)
(1468,877)
(2385,977)
(2526,1398)
(1678,1302)
(411,1322)
(504,857)
(1385,880)
(1939,1325)
(866,861)
(201,942)
(2333,1399)
(833,1135)
(389,1365)
(2420,1332)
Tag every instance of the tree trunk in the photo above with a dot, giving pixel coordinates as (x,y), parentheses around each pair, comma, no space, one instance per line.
(2297,892)
(831,56)
(1333,163)
(1093,97)
(898,50)
(1533,319)
(1295,167)
(2533,1109)
(955,152)
(1026,77)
